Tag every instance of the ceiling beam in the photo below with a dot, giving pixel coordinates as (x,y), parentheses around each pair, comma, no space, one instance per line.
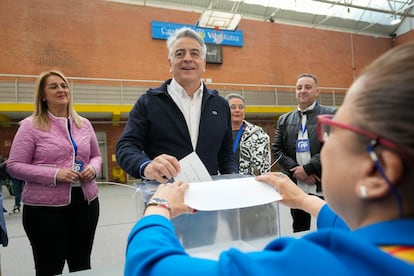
(405,9)
(400,12)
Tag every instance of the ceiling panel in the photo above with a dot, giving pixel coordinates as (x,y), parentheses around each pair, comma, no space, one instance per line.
(370,17)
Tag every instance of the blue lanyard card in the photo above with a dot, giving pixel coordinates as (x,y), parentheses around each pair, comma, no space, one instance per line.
(302,145)
(78,165)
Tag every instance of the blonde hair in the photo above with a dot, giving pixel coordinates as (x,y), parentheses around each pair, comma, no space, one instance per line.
(40,114)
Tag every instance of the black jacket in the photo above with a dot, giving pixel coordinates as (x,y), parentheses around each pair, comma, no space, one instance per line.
(3,172)
(284,143)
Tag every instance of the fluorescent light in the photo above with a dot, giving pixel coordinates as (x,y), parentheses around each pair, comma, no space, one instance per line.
(219,20)
(396,21)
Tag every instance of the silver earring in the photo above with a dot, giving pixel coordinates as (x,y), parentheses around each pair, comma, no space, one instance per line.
(363,191)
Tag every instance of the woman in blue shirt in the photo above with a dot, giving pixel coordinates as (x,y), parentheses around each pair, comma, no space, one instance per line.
(368,180)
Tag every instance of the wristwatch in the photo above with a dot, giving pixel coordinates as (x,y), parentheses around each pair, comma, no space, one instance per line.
(159,202)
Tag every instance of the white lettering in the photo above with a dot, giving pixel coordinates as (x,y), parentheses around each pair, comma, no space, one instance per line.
(167,31)
(302,144)
(227,37)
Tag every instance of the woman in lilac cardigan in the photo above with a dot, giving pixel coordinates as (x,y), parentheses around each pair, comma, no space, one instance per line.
(56,152)
(368,179)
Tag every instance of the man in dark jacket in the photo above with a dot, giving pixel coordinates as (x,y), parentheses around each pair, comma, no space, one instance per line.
(296,145)
(171,121)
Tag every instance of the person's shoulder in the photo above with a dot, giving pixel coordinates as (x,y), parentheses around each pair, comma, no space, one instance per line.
(212,96)
(324,109)
(213,92)
(253,126)
(26,122)
(86,124)
(259,131)
(286,115)
(290,113)
(162,89)
(85,120)
(28,119)
(152,92)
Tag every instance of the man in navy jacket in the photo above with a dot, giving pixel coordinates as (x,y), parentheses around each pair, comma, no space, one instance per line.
(171,121)
(156,129)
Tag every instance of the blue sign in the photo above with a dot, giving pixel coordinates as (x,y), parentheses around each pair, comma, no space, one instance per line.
(162,30)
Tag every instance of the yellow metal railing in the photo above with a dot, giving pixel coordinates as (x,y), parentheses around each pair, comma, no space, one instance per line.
(116,96)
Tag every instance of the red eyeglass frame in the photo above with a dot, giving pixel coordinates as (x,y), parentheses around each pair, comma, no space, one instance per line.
(327,119)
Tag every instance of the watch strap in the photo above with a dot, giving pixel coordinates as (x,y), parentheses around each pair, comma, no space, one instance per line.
(162,205)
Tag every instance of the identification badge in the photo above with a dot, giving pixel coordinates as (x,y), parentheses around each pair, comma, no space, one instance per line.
(78,165)
(302,145)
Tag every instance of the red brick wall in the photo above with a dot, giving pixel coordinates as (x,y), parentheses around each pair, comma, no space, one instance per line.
(101,39)
(112,135)
(404,38)
(112,40)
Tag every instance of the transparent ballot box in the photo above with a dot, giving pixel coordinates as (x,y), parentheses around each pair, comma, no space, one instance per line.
(207,233)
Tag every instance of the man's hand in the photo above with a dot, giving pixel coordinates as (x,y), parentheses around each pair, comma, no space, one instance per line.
(162,168)
(300,174)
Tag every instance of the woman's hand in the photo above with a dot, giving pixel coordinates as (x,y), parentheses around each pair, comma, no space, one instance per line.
(88,173)
(174,194)
(67,175)
(293,196)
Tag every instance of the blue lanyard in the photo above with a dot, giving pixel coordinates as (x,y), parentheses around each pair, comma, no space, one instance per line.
(75,146)
(303,128)
(236,142)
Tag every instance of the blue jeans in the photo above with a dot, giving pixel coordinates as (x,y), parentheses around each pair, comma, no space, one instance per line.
(18,189)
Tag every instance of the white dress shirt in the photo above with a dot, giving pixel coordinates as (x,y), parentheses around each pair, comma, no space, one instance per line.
(190,107)
(303,158)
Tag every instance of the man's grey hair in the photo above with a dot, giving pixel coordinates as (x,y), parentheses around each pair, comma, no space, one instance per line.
(185,32)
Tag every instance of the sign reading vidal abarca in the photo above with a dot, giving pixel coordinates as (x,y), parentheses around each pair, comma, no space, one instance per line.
(162,30)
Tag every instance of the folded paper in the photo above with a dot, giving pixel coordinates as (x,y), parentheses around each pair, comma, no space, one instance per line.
(230,193)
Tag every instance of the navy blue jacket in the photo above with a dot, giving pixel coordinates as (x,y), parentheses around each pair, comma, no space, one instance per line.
(156,126)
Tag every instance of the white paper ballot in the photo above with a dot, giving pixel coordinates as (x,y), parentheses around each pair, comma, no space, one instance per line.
(192,169)
(229,194)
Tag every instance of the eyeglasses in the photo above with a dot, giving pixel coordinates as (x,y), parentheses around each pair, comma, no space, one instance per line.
(325,122)
(324,129)
(235,106)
